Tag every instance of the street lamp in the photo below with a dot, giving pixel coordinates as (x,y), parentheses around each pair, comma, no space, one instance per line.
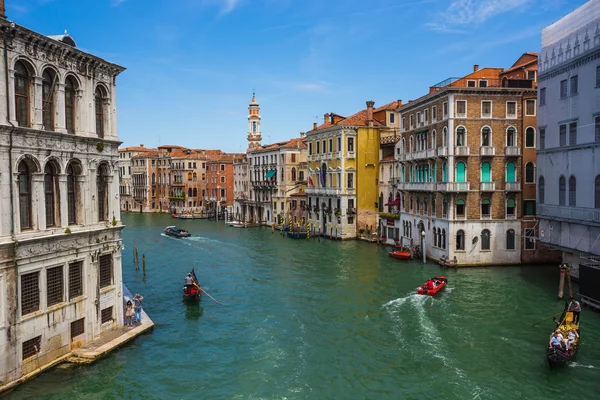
(423,245)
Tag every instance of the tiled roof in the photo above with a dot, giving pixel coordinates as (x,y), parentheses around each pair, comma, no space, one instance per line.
(134,148)
(360,118)
(147,154)
(523,63)
(288,144)
(389,106)
(389,158)
(298,194)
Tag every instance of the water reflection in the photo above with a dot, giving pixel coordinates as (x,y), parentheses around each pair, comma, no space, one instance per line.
(193,311)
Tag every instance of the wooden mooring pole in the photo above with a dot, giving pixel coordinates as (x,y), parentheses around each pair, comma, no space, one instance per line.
(561,284)
(144,263)
(137,259)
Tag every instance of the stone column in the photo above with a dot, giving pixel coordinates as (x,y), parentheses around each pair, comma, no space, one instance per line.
(11,96)
(62,193)
(38,209)
(92,198)
(112,202)
(82,203)
(106,116)
(16,203)
(60,124)
(37,122)
(79,121)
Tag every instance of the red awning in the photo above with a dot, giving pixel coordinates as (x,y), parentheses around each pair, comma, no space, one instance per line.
(393,203)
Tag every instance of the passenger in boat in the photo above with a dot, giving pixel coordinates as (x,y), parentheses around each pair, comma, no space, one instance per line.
(575,307)
(556,341)
(571,338)
(430,284)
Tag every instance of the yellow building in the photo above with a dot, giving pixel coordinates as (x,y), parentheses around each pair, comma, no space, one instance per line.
(343,158)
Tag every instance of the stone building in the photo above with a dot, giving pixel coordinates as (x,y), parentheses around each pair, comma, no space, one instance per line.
(241,187)
(60,242)
(125,184)
(467,167)
(568,140)
(219,182)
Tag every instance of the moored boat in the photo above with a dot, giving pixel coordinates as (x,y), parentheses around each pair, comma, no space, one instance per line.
(176,232)
(191,287)
(560,356)
(297,234)
(437,284)
(185,216)
(401,255)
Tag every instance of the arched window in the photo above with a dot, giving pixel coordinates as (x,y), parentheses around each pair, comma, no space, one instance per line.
(294,175)
(195,192)
(485,239)
(22,85)
(410,141)
(435,237)
(444,172)
(460,239)
(102,188)
(460,172)
(445,137)
(48,90)
(99,109)
(511,136)
(486,136)
(485,172)
(460,208)
(50,194)
(189,192)
(597,192)
(510,208)
(461,136)
(70,99)
(443,239)
(189,177)
(562,191)
(541,190)
(572,191)
(24,195)
(510,239)
(380,202)
(154,179)
(195,177)
(530,137)
(433,139)
(529,173)
(486,208)
(510,172)
(73,170)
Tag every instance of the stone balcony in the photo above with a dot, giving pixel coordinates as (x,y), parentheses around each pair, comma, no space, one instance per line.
(462,151)
(487,186)
(487,151)
(417,186)
(512,151)
(351,154)
(453,187)
(512,186)
(442,152)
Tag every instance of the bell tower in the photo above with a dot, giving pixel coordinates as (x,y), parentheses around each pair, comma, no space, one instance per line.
(254,136)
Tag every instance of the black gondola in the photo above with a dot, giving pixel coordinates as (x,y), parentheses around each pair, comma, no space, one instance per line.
(192,292)
(559,357)
(176,232)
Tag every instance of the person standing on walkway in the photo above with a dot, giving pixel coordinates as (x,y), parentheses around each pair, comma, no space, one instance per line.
(128,313)
(137,301)
(575,307)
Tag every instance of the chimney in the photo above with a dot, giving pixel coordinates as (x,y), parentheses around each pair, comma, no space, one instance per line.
(370,105)
(325,118)
(301,135)
(141,145)
(475,68)
(2,10)
(314,125)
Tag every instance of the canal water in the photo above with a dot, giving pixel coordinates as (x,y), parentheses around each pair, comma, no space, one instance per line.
(325,320)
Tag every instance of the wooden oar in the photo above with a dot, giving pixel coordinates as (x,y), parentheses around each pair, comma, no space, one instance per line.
(204,291)
(545,319)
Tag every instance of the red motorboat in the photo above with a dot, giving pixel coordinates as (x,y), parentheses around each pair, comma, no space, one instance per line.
(432,286)
(401,255)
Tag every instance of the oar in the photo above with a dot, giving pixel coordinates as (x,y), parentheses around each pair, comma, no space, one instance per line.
(545,319)
(216,301)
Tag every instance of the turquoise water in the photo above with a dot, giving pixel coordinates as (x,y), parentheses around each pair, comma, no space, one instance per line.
(325,320)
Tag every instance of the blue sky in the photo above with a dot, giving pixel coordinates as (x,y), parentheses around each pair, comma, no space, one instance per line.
(192,64)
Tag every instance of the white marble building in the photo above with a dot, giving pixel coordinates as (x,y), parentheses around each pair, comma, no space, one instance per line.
(60,246)
(568,142)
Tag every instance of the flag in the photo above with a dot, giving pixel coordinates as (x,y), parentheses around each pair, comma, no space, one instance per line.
(310,181)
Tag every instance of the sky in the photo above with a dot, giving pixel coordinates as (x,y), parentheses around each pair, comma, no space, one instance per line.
(192,65)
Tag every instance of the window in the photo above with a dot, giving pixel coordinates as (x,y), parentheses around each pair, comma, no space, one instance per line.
(572,191)
(222,167)
(483,83)
(562,187)
(293,174)
(597,192)
(460,136)
(403,124)
(510,239)
(426,113)
(392,118)
(460,172)
(309,151)
(350,144)
(411,121)
(471,83)
(563,89)
(529,239)
(75,279)
(531,75)
(55,285)
(572,133)
(542,138)
(511,136)
(24,195)
(31,347)
(106,270)
(460,240)
(486,136)
(222,179)
(350,184)
(30,293)
(102,188)
(597,129)
(433,113)
(106,315)
(22,85)
(77,328)
(543,96)
(562,133)
(574,85)
(461,108)
(485,239)
(460,208)
(99,109)
(529,173)
(541,190)
(223,194)
(511,109)
(530,137)
(485,172)
(530,107)
(510,172)
(510,208)
(445,109)
(486,208)
(486,109)
(529,207)
(48,90)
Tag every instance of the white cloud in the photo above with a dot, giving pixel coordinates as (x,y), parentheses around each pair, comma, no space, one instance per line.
(117,3)
(229,5)
(473,12)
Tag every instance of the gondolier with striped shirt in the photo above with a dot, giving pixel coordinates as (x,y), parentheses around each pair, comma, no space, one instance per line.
(575,307)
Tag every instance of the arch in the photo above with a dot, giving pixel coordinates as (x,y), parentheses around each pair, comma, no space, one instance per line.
(541,190)
(572,191)
(23,91)
(530,136)
(27,63)
(153,178)
(485,239)
(444,172)
(49,82)
(32,163)
(445,137)
(190,192)
(71,87)
(73,170)
(510,172)
(510,239)
(294,174)
(51,193)
(460,240)
(58,164)
(102,191)
(562,191)
(100,96)
(485,172)
(486,136)
(511,136)
(529,173)
(460,172)
(433,139)
(510,207)
(25,193)
(443,238)
(597,192)
(189,176)
(461,136)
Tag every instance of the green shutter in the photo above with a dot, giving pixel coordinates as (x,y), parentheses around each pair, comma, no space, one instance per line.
(460,172)
(510,172)
(486,201)
(444,173)
(510,203)
(485,172)
(460,202)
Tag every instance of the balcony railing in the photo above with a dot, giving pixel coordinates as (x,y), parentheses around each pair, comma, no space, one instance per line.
(351,154)
(487,186)
(338,154)
(453,187)
(570,213)
(442,152)
(401,157)
(513,186)
(309,157)
(512,151)
(487,150)
(462,150)
(417,186)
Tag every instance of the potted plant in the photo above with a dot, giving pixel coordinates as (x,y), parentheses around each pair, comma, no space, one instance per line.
(338,212)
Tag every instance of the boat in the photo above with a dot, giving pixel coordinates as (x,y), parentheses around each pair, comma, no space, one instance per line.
(401,255)
(185,216)
(174,216)
(232,223)
(297,234)
(560,357)
(192,292)
(176,232)
(441,282)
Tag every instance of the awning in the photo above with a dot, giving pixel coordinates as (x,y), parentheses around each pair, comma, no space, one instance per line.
(270,174)
(393,203)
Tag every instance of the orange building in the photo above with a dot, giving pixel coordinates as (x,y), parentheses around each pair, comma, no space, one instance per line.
(219,182)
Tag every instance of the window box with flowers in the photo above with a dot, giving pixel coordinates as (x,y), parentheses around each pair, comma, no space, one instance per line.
(389,215)
(338,212)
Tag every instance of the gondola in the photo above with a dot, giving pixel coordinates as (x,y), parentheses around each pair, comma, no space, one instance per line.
(560,357)
(441,282)
(176,232)
(192,292)
(400,255)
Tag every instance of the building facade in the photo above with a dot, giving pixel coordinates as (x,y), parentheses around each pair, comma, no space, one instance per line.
(60,242)
(125,184)
(568,140)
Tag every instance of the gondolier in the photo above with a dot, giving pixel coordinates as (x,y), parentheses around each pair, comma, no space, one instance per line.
(575,307)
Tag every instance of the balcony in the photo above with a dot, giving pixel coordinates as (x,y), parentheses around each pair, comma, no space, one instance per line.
(487,186)
(338,155)
(462,151)
(417,186)
(328,156)
(579,214)
(487,151)
(513,186)
(442,152)
(351,154)
(453,187)
(401,157)
(309,157)
(512,151)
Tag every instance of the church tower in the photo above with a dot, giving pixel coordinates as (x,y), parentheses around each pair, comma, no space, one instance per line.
(254,136)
